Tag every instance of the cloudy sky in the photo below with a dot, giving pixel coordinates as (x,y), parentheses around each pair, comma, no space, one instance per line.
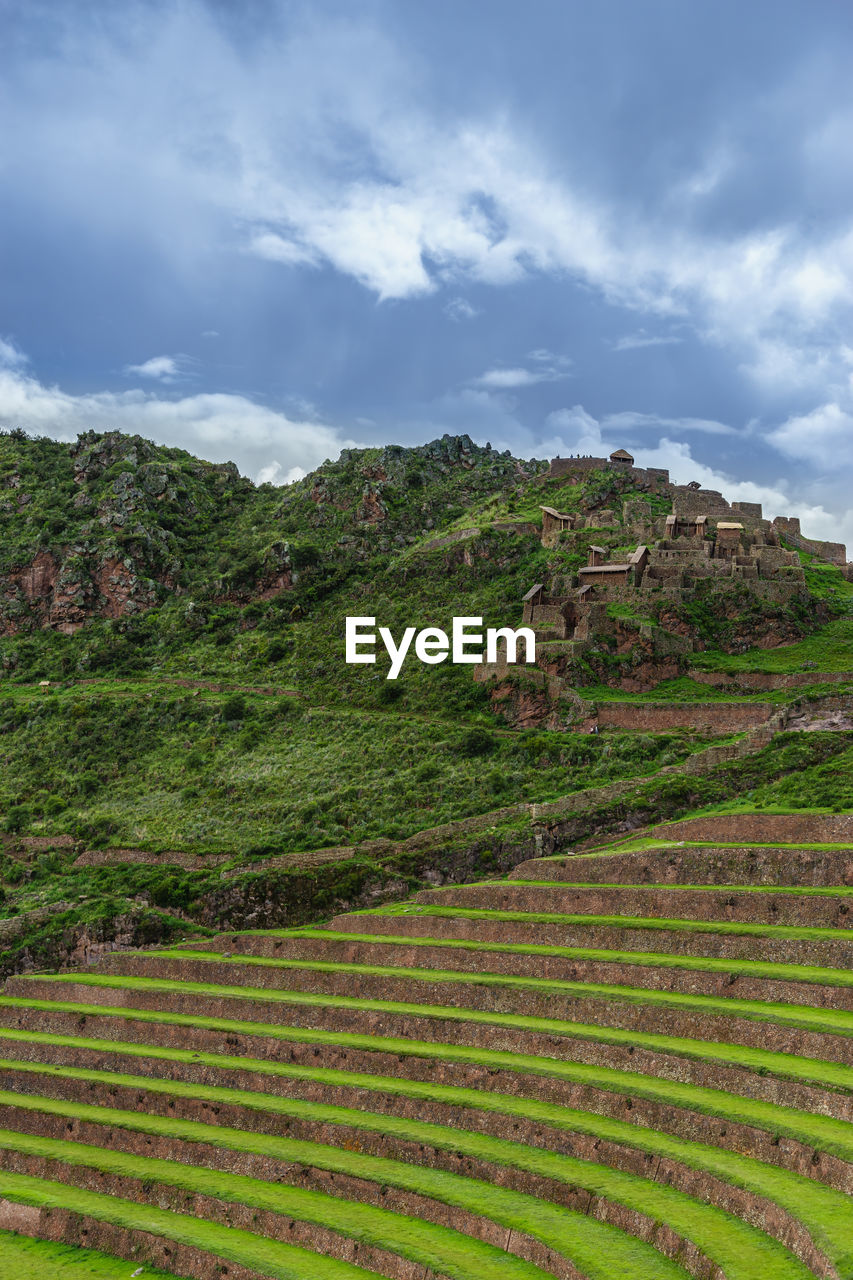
(267,230)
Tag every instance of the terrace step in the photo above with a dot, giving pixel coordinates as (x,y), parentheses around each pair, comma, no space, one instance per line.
(636,1063)
(747,864)
(815,908)
(755,828)
(335,1214)
(749,980)
(523,1093)
(24,1257)
(776,944)
(615,1183)
(412,1000)
(811,1084)
(145,1233)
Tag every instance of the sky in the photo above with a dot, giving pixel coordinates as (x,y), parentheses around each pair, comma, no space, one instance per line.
(269,230)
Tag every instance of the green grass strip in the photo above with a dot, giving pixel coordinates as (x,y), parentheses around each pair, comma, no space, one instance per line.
(728,928)
(797,891)
(785,1066)
(824,1133)
(647,959)
(24,1258)
(803,1017)
(605,1251)
(664,846)
(447,1251)
(739,1249)
(827,1213)
(269,1257)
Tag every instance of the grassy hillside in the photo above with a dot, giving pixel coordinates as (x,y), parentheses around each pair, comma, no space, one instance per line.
(191,626)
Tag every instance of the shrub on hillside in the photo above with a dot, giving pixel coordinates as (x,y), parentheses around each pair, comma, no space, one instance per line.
(476,742)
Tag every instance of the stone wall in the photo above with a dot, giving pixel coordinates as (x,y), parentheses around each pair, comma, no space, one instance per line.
(658,1061)
(752,510)
(659,717)
(567,466)
(582,466)
(789,526)
(763,681)
(689,503)
(763,828)
(604,575)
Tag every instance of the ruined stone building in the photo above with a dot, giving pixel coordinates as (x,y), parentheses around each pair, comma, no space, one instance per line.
(704,538)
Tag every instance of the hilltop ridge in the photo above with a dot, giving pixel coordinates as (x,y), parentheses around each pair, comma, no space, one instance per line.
(128,548)
(185,748)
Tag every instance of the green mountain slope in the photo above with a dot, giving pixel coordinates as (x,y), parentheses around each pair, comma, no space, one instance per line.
(203,755)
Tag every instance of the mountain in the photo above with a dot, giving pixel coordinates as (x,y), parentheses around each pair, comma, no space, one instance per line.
(184,746)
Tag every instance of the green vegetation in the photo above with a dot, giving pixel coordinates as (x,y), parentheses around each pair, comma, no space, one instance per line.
(785,1066)
(803,1017)
(191,627)
(829,649)
(814,1130)
(739,1249)
(260,775)
(427,1244)
(184,751)
(606,1252)
(125,744)
(658,959)
(685,689)
(22,1258)
(652,845)
(821,787)
(783,932)
(798,890)
(270,1257)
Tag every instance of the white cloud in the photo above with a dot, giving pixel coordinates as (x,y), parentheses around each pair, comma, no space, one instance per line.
(274,473)
(460,309)
(629,420)
(219,427)
(578,431)
(277,249)
(823,437)
(503,379)
(490,415)
(160,368)
(634,341)
(10,356)
(300,158)
(548,368)
(776,499)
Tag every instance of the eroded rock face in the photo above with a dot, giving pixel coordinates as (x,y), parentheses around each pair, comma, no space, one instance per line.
(537,708)
(372,508)
(64,595)
(37,580)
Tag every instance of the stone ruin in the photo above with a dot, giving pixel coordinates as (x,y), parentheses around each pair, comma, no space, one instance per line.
(705,538)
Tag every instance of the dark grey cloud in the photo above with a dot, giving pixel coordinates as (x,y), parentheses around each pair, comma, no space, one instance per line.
(540,225)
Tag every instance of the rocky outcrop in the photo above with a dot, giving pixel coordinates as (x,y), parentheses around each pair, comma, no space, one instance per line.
(63,594)
(372,508)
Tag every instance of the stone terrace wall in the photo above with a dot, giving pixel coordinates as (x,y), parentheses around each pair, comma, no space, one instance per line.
(763,828)
(658,717)
(689,503)
(765,681)
(835,552)
(568,466)
(565,466)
